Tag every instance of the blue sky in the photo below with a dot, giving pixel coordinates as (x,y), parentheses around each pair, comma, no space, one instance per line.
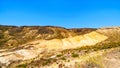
(65,13)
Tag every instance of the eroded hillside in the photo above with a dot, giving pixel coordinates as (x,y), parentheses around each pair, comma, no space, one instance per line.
(11,36)
(58,47)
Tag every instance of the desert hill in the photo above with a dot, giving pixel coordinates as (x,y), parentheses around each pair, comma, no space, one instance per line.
(13,35)
(59,47)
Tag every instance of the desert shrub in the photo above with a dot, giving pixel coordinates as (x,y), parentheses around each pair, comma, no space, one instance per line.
(1,35)
(75,55)
(94,62)
(44,61)
(68,60)
(59,55)
(22,66)
(63,58)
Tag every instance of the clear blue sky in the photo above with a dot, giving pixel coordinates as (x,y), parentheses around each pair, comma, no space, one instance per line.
(65,13)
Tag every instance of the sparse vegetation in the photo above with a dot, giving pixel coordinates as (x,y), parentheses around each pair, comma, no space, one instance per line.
(75,55)
(63,58)
(59,55)
(22,66)
(13,36)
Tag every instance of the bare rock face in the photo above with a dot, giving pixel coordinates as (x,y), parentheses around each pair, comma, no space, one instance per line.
(56,47)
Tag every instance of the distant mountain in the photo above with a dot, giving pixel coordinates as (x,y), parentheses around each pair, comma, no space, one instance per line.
(59,47)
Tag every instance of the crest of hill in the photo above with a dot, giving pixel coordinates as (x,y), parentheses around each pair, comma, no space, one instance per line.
(110,27)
